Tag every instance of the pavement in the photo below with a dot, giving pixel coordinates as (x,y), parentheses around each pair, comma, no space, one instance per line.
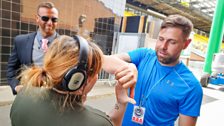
(6,96)
(212,110)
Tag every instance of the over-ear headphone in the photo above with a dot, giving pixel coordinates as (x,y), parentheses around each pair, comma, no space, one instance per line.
(76,76)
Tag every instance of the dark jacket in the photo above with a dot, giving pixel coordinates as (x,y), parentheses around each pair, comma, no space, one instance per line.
(20,55)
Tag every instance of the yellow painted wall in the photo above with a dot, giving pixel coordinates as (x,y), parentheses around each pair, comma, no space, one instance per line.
(200,44)
(128,13)
(203,39)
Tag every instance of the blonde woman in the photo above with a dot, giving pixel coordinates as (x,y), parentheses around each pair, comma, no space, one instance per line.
(47,99)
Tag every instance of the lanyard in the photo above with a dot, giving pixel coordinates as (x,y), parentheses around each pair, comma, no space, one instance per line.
(142,101)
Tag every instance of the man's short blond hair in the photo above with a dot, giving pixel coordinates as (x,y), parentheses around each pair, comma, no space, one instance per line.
(180,22)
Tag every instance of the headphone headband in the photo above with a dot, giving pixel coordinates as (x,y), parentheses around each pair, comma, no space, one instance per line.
(76,76)
(83,52)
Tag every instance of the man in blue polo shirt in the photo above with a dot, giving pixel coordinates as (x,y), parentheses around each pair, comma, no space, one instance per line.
(166,89)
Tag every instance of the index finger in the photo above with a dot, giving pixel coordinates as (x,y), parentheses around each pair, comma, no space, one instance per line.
(120,69)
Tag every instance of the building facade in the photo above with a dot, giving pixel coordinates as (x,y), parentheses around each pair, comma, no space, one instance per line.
(95,19)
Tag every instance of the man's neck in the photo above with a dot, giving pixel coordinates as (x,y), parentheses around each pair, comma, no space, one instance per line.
(171,64)
(45,35)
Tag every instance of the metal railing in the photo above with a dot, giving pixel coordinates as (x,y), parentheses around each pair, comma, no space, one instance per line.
(106,78)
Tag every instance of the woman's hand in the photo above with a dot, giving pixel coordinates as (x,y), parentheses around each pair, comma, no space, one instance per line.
(122,95)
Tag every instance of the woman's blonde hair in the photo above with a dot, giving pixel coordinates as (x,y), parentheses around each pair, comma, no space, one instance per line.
(62,55)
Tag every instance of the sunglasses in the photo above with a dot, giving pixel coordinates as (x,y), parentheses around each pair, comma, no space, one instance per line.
(46,18)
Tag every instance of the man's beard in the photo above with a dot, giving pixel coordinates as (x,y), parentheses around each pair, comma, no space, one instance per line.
(166,60)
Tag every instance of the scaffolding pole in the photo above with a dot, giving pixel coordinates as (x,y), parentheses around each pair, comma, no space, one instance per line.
(216,33)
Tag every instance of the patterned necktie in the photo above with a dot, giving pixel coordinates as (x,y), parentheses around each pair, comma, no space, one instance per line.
(44,45)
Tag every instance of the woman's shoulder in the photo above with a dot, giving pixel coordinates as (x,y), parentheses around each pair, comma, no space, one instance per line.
(99,116)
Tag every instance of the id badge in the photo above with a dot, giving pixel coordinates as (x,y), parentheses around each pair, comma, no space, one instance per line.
(138,114)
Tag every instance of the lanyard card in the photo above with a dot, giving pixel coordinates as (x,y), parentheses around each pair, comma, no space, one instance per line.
(138,114)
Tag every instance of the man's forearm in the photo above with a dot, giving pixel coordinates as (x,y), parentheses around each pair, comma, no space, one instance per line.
(113,62)
(13,82)
(11,78)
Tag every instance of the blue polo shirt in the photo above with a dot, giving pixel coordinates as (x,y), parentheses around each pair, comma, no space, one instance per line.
(164,91)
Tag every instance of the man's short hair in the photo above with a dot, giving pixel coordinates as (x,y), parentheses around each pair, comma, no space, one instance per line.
(48,5)
(180,22)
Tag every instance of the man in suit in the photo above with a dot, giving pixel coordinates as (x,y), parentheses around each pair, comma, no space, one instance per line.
(29,49)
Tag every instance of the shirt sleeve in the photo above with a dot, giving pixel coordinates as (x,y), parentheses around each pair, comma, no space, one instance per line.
(138,54)
(191,104)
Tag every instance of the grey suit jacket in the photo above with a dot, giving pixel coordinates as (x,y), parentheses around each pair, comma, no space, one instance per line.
(20,55)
